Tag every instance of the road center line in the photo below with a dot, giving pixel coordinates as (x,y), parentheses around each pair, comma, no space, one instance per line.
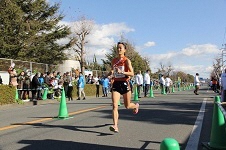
(47,119)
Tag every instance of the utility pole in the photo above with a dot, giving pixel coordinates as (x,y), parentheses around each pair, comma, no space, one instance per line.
(222,55)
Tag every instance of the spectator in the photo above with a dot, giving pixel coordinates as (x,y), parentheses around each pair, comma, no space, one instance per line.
(58,76)
(223,86)
(41,81)
(162,84)
(20,80)
(13,75)
(214,84)
(70,88)
(92,80)
(54,74)
(196,83)
(97,83)
(168,83)
(26,86)
(34,86)
(147,80)
(81,86)
(76,83)
(89,79)
(66,79)
(139,82)
(47,79)
(1,80)
(105,86)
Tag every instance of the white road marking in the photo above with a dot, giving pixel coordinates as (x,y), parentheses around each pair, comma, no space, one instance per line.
(193,140)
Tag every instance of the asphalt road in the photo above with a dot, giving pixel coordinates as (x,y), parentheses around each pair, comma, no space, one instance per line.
(35,127)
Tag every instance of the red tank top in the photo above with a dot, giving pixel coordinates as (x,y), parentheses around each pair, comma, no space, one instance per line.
(121,64)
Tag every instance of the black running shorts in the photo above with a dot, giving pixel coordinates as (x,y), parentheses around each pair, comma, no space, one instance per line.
(121,86)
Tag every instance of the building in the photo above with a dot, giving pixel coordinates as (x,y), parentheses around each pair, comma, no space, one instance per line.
(68,65)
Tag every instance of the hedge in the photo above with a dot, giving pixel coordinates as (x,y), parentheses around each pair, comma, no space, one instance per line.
(8,93)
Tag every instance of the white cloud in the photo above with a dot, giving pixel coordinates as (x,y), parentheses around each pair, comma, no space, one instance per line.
(101,39)
(192,59)
(106,35)
(196,50)
(149,44)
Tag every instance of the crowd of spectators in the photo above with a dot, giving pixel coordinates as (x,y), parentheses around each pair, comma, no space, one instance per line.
(53,81)
(32,86)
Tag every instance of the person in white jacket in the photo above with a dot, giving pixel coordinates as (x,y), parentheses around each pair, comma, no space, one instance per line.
(139,82)
(147,81)
(196,83)
(223,85)
(162,83)
(168,83)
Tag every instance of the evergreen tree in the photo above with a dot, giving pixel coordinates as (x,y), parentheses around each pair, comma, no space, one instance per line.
(30,31)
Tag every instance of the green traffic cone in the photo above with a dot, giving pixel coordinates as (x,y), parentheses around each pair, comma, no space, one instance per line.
(169,144)
(119,103)
(151,93)
(17,95)
(135,95)
(44,96)
(218,132)
(163,90)
(63,113)
(173,89)
(179,89)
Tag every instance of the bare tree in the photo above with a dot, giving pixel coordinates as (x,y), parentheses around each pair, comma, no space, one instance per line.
(166,69)
(147,62)
(162,67)
(216,68)
(81,29)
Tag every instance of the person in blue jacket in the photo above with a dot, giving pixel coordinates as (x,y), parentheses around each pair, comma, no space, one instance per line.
(81,86)
(105,86)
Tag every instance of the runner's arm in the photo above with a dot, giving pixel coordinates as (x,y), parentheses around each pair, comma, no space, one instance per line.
(130,71)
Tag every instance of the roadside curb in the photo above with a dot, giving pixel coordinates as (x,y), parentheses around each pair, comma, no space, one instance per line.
(34,103)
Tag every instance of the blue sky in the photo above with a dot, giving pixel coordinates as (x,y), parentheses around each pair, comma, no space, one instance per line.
(187,34)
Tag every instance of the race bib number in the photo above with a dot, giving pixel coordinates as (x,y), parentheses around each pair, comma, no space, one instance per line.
(119,75)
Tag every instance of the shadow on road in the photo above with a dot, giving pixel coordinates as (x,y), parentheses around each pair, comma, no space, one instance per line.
(49,144)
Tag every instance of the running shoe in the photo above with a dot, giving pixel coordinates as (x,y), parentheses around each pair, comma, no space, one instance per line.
(113,129)
(135,110)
